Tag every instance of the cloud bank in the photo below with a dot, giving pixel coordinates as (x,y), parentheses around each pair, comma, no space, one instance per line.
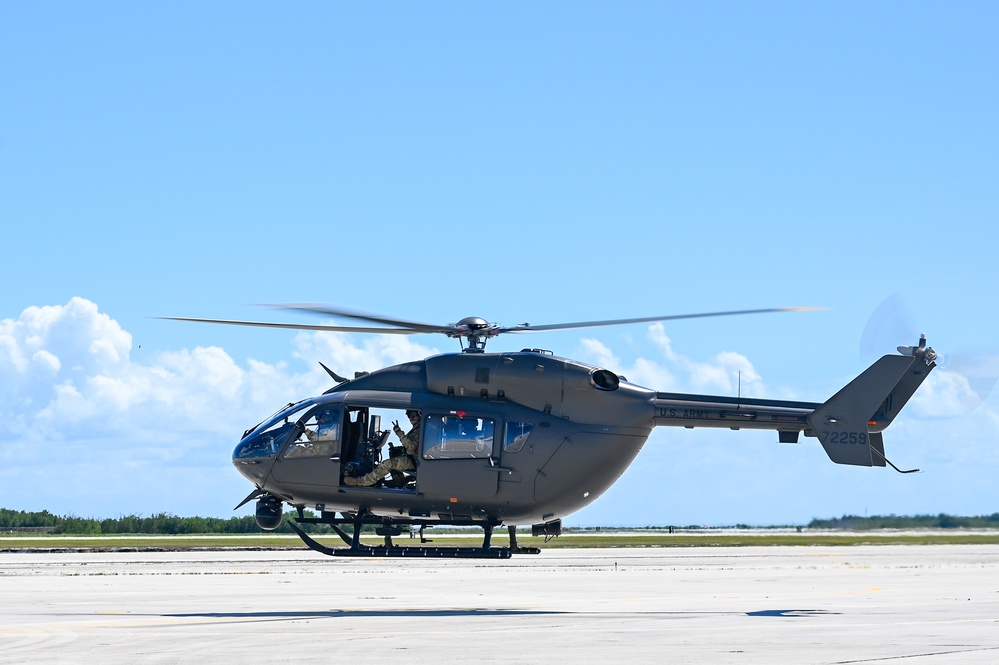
(726,373)
(87,430)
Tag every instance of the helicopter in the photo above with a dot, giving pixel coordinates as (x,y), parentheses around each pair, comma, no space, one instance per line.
(510,438)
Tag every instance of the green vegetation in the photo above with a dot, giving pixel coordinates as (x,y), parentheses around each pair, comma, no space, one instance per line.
(169,532)
(714,538)
(941,521)
(158,524)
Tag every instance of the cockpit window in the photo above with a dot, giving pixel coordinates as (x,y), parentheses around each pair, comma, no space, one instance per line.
(516,436)
(266,439)
(457,436)
(266,443)
(317,434)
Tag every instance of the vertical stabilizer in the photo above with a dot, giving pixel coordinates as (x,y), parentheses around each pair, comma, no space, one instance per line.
(843,423)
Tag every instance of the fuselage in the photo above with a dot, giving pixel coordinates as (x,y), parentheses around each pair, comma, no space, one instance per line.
(527,437)
(546,436)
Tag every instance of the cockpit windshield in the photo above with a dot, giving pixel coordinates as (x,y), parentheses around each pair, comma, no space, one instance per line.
(280,414)
(267,438)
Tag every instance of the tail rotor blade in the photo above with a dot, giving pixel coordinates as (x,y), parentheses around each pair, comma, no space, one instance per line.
(963,379)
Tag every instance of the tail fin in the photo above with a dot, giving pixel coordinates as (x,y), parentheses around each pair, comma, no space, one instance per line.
(849,424)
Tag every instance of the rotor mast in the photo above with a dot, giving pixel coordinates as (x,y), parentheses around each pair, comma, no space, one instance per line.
(476,330)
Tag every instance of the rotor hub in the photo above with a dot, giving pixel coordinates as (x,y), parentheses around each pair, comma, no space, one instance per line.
(476,330)
(474,323)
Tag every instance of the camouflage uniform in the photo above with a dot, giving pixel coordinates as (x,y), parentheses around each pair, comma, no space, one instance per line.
(410,441)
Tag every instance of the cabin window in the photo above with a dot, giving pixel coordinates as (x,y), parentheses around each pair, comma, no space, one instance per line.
(516,436)
(458,436)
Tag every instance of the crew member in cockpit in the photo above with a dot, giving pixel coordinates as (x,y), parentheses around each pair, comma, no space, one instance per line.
(411,444)
(325,427)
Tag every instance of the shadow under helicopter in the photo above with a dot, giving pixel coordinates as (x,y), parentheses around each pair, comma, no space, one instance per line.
(469,612)
(791,614)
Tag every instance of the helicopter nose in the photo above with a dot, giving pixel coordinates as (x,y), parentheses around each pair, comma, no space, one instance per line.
(255,447)
(254,456)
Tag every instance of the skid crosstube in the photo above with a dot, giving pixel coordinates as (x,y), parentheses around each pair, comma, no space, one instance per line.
(389,528)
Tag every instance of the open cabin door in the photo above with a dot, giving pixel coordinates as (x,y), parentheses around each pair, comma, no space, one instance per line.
(459,458)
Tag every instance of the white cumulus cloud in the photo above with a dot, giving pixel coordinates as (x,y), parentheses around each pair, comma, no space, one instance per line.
(74,405)
(86,429)
(668,370)
(68,368)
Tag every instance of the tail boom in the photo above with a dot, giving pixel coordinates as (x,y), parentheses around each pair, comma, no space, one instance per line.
(679,410)
(848,425)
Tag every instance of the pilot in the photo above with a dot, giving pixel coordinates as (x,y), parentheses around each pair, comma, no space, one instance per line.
(325,427)
(410,442)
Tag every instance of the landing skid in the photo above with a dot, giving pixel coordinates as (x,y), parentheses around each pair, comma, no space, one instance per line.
(388,527)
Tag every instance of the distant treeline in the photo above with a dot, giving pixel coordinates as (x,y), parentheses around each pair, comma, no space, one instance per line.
(160,523)
(941,521)
(167,524)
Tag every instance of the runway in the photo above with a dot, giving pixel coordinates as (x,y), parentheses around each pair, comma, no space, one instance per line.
(864,604)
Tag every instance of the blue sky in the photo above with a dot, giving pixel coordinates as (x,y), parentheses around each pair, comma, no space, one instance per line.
(520,162)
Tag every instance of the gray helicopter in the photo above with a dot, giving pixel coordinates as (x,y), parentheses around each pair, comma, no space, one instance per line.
(511,438)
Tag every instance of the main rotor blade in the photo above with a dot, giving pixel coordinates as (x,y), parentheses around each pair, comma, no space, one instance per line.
(414,327)
(649,319)
(325,310)
(298,326)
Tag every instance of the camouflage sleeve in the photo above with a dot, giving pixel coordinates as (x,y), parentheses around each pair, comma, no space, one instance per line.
(411,441)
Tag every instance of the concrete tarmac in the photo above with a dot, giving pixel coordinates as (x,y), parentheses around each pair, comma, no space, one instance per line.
(865,604)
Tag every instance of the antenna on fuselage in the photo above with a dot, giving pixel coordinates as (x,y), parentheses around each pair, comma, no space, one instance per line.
(336,377)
